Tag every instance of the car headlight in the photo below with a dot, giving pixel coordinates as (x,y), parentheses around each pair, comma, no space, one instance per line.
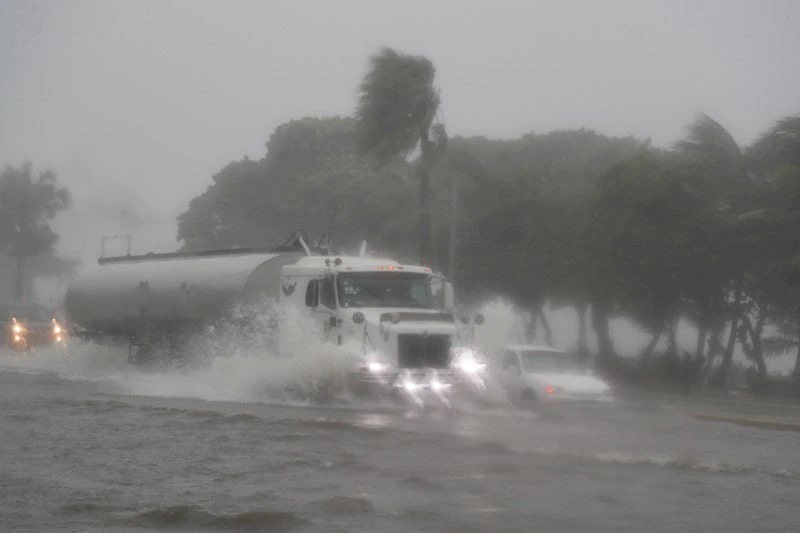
(377,367)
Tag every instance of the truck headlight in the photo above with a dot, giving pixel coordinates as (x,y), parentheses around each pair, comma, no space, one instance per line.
(469,362)
(374,364)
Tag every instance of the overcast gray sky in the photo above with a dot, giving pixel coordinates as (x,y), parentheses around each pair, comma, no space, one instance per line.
(136,104)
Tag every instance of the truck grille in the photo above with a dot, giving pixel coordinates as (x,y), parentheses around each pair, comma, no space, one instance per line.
(423,351)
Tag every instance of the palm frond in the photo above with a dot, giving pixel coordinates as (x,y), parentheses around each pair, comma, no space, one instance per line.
(396,100)
(709,142)
(780,146)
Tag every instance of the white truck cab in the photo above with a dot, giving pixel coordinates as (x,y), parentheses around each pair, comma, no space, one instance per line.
(385,313)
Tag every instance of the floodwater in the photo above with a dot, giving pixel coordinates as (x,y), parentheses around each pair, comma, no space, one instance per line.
(89,443)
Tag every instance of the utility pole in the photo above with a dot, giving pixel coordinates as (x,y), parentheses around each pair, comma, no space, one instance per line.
(451,270)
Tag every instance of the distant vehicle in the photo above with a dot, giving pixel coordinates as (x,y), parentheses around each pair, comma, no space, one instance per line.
(30,325)
(543,373)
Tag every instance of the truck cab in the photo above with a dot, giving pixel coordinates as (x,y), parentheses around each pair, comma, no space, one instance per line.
(382,312)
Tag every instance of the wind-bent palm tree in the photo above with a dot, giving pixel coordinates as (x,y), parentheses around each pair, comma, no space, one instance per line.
(396,113)
(776,157)
(765,176)
(710,145)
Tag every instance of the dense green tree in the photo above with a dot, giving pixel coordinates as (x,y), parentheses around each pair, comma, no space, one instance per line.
(27,206)
(526,226)
(311,178)
(654,216)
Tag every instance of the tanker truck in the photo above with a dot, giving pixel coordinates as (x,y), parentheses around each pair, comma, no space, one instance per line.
(381,312)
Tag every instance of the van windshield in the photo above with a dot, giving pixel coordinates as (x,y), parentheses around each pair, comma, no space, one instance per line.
(384,289)
(547,362)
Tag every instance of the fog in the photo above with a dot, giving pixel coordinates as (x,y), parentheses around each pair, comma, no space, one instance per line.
(176,392)
(136,105)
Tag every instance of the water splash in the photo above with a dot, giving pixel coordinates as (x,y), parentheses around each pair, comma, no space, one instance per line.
(242,358)
(228,361)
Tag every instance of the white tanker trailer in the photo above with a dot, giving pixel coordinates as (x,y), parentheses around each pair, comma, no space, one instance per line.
(381,312)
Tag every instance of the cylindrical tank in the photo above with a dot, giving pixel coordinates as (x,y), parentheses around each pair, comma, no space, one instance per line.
(119,295)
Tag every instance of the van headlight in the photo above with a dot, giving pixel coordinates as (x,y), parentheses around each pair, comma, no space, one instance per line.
(377,367)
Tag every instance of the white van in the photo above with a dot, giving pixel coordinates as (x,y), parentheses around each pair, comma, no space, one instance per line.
(543,373)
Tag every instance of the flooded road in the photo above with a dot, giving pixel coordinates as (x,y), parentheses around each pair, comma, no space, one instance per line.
(90,444)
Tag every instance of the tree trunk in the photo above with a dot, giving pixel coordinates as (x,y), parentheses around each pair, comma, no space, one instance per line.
(699,349)
(714,348)
(672,336)
(548,333)
(721,376)
(583,346)
(757,351)
(600,323)
(647,352)
(19,281)
(797,363)
(530,328)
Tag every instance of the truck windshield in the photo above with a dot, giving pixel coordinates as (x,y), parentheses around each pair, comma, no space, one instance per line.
(384,289)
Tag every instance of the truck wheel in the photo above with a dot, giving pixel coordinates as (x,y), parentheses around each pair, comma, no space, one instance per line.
(528,395)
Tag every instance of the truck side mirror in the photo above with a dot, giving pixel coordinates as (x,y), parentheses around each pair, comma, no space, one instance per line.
(449,297)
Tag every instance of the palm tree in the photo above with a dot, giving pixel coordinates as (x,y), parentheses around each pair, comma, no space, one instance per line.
(26,207)
(728,180)
(776,157)
(396,113)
